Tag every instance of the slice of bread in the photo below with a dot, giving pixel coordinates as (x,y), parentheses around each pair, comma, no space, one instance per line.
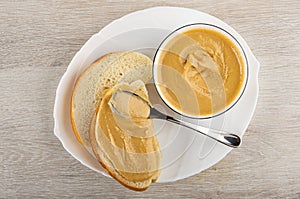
(104,73)
(134,161)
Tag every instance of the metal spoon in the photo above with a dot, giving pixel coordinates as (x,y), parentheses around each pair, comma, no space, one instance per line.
(228,139)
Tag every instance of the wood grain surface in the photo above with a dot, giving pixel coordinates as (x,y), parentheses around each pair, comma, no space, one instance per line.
(38,40)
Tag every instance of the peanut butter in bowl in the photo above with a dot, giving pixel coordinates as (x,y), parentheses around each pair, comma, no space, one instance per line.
(200,70)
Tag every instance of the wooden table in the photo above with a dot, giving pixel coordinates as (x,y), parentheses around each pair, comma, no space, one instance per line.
(38,40)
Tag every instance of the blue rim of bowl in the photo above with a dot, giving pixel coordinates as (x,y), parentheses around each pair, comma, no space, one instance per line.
(213,115)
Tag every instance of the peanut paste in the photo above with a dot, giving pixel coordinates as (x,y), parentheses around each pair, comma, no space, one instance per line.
(200,72)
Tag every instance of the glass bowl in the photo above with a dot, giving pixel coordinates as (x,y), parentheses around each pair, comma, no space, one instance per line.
(183,29)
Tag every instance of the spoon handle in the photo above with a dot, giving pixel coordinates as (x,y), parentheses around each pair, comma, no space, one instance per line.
(228,139)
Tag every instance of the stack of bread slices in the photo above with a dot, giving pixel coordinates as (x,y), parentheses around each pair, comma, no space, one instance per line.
(90,96)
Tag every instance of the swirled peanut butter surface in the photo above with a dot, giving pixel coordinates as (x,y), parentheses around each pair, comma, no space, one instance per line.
(200,72)
(131,147)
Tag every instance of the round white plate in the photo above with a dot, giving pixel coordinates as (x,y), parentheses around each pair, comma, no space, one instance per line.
(184,153)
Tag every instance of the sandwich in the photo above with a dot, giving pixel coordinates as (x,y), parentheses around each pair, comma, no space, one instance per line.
(129,151)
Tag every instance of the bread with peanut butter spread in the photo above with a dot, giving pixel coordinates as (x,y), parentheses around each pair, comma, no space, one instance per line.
(107,71)
(129,151)
(131,154)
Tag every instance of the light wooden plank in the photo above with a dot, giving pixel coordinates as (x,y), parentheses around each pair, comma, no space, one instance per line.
(39,38)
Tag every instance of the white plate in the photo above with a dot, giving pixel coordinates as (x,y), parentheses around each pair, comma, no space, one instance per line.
(184,152)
